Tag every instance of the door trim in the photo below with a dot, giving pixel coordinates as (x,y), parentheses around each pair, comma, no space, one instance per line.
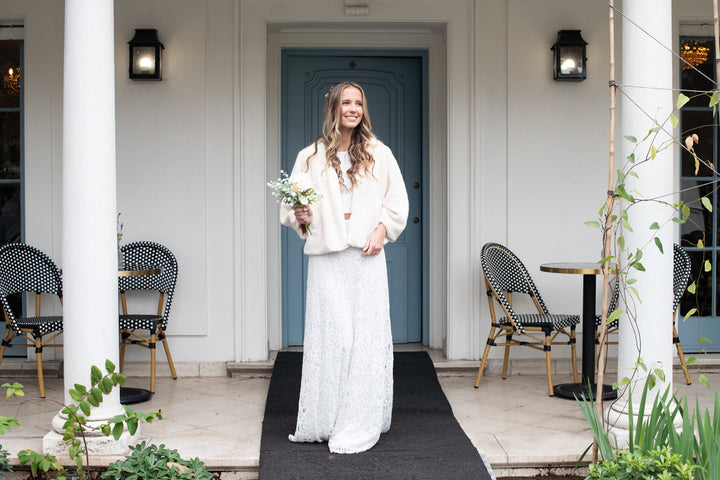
(430,40)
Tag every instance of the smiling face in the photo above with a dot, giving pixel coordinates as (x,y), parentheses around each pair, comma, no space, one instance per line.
(351,108)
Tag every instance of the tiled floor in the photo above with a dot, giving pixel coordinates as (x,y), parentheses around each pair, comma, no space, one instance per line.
(513,422)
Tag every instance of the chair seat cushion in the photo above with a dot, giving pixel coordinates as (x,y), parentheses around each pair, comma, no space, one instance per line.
(41,325)
(554,320)
(139,321)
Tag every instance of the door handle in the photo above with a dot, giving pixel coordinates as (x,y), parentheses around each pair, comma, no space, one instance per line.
(416,220)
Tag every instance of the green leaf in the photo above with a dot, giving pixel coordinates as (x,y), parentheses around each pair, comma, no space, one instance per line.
(655,226)
(704,380)
(631,138)
(691,361)
(659,245)
(85,407)
(685,212)
(614,315)
(593,223)
(703,339)
(620,176)
(117,431)
(621,243)
(691,288)
(682,100)
(637,294)
(700,243)
(109,366)
(708,266)
(653,150)
(95,375)
(690,313)
(631,281)
(673,120)
(631,157)
(651,381)
(713,99)
(106,385)
(75,395)
(626,225)
(706,203)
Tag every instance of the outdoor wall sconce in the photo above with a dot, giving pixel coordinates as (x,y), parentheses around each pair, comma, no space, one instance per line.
(569,61)
(146,55)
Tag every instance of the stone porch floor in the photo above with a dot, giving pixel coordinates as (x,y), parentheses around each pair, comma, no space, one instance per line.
(520,429)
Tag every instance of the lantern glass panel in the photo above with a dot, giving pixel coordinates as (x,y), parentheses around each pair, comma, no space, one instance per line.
(571,60)
(143,60)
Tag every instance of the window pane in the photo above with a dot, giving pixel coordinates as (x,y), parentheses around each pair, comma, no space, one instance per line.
(702,124)
(9,213)
(699,225)
(9,59)
(700,53)
(10,145)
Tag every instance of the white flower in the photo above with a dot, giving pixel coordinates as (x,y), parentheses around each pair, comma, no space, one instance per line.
(301,182)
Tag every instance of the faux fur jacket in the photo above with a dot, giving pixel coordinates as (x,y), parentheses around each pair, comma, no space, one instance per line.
(378,198)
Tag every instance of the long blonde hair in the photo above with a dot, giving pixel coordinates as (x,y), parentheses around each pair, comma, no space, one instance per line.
(361,160)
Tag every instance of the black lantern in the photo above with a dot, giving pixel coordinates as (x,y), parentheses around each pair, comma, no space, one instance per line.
(146,55)
(569,61)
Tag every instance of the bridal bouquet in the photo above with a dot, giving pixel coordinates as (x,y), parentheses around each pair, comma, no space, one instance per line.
(296,191)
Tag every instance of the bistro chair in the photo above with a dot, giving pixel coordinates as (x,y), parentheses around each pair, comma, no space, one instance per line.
(506,275)
(146,329)
(681,275)
(25,269)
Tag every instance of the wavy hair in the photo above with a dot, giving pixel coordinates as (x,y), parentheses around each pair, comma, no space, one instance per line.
(361,160)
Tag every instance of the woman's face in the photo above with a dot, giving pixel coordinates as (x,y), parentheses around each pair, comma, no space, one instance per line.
(351,108)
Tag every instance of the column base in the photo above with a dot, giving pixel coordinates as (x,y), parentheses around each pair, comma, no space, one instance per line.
(98,444)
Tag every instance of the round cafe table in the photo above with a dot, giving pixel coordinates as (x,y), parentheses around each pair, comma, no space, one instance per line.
(588,270)
(130,395)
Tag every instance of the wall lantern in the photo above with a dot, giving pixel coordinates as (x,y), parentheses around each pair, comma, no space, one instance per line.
(569,61)
(146,55)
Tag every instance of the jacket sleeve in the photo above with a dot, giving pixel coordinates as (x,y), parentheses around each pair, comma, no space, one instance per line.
(395,206)
(287,214)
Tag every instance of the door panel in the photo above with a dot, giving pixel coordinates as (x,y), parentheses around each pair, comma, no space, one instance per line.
(393,85)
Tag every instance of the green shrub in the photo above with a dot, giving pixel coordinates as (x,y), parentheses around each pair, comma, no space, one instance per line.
(158,463)
(659,464)
(4,462)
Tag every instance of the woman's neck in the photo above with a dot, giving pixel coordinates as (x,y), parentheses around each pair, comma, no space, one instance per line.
(345,140)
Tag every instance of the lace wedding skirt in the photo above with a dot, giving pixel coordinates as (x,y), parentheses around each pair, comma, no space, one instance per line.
(347,385)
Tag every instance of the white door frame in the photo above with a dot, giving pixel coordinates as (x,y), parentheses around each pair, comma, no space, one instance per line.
(446,30)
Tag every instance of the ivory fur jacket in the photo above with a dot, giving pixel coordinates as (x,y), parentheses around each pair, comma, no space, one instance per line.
(378,198)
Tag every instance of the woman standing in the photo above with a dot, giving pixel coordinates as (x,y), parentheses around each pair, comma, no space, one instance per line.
(347,387)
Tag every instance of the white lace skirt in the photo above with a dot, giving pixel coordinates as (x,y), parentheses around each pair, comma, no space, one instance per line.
(347,385)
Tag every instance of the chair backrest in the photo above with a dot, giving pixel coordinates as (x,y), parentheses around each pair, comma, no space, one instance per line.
(24,268)
(507,274)
(146,255)
(681,274)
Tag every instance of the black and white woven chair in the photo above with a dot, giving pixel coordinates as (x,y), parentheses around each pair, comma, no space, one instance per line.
(146,329)
(681,274)
(505,275)
(25,269)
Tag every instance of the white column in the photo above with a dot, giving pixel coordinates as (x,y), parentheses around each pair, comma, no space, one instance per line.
(647,63)
(89,211)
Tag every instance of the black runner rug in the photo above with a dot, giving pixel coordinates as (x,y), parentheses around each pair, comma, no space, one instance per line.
(425,440)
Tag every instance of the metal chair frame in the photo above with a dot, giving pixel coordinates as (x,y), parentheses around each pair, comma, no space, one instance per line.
(543,328)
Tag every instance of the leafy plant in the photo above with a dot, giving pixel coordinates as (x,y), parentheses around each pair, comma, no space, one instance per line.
(77,424)
(659,463)
(5,466)
(156,462)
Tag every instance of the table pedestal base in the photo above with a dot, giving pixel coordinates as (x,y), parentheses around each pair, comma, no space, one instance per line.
(129,395)
(572,390)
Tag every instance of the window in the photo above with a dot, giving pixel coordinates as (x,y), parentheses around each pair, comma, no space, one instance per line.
(696,117)
(11,140)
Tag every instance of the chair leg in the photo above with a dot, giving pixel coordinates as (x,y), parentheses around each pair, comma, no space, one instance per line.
(548,365)
(676,341)
(506,358)
(5,341)
(153,356)
(122,354)
(167,354)
(484,357)
(38,356)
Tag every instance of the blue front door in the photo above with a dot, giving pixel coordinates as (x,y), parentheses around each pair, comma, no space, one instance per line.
(393,83)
